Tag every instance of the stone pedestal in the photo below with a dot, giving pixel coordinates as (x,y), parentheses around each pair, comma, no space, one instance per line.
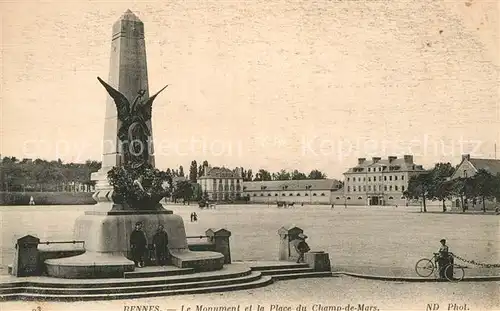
(26,257)
(319,261)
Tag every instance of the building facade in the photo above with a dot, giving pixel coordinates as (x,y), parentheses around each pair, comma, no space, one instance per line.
(308,191)
(221,184)
(379,182)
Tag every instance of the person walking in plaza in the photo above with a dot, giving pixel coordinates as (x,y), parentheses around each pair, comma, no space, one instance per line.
(302,247)
(443,258)
(138,242)
(160,244)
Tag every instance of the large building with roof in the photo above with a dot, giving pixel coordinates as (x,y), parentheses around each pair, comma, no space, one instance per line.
(379,181)
(307,191)
(470,166)
(221,184)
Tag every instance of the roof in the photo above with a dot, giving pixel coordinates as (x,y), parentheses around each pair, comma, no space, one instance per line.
(220,172)
(399,165)
(490,165)
(292,185)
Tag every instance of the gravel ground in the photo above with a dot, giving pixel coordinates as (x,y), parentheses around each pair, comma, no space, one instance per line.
(310,293)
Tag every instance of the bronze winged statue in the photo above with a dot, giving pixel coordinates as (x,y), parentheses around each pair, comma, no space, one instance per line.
(133,133)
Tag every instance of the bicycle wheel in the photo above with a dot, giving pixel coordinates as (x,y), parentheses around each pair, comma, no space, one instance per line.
(454,273)
(424,267)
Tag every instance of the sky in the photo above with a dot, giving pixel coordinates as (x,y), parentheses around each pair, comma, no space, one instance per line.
(261,84)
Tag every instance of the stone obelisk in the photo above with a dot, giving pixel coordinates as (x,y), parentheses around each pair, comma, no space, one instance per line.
(106,230)
(128,74)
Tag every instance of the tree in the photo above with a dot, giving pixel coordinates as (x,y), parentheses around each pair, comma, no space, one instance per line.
(316,174)
(484,185)
(200,171)
(296,175)
(441,188)
(193,171)
(249,175)
(262,175)
(282,175)
(184,190)
(419,187)
(181,171)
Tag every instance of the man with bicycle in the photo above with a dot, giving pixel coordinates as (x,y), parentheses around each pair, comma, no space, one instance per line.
(443,258)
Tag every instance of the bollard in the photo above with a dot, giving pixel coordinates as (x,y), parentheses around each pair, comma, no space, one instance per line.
(288,239)
(26,257)
(220,239)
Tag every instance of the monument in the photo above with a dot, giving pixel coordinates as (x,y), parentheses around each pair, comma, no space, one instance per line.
(128,186)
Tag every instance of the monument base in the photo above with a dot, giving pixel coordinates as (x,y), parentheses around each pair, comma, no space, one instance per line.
(106,232)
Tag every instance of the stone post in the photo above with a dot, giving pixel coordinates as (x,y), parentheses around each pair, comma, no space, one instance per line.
(287,237)
(26,257)
(220,238)
(319,261)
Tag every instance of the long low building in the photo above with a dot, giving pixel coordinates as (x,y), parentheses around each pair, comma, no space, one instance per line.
(308,191)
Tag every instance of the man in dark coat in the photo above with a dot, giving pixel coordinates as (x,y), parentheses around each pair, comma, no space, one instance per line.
(138,244)
(160,243)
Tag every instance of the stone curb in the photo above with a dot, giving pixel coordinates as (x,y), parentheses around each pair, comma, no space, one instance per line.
(415,279)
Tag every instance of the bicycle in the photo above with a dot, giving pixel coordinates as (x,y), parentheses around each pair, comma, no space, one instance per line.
(452,272)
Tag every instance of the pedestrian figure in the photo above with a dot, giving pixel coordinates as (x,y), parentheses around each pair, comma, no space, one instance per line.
(444,258)
(333,205)
(192,216)
(195,217)
(32,200)
(138,244)
(160,244)
(302,247)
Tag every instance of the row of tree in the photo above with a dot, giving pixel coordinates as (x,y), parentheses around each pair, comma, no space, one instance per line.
(42,175)
(437,185)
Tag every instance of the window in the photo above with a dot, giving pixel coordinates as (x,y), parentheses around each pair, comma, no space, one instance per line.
(390,177)
(368,169)
(360,198)
(298,194)
(390,188)
(364,178)
(347,178)
(369,179)
(391,198)
(348,189)
(314,194)
(364,188)
(348,198)
(402,188)
(268,194)
(385,178)
(369,188)
(380,178)
(385,188)
(402,177)
(275,194)
(290,194)
(396,177)
(322,194)
(255,194)
(380,187)
(359,188)
(380,169)
(306,195)
(261,194)
(396,188)
(337,198)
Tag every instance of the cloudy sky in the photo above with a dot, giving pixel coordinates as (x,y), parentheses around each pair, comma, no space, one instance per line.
(261,84)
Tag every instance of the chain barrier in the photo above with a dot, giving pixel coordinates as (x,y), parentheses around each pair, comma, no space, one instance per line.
(472,262)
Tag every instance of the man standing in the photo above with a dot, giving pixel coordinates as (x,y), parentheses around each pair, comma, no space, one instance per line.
(443,258)
(138,244)
(160,244)
(302,247)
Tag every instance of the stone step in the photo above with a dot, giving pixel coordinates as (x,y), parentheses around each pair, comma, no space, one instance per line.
(260,282)
(277,267)
(150,274)
(292,276)
(115,283)
(133,288)
(287,271)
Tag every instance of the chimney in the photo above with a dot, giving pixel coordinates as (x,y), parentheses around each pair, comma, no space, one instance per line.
(361,161)
(466,157)
(408,159)
(376,159)
(392,158)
